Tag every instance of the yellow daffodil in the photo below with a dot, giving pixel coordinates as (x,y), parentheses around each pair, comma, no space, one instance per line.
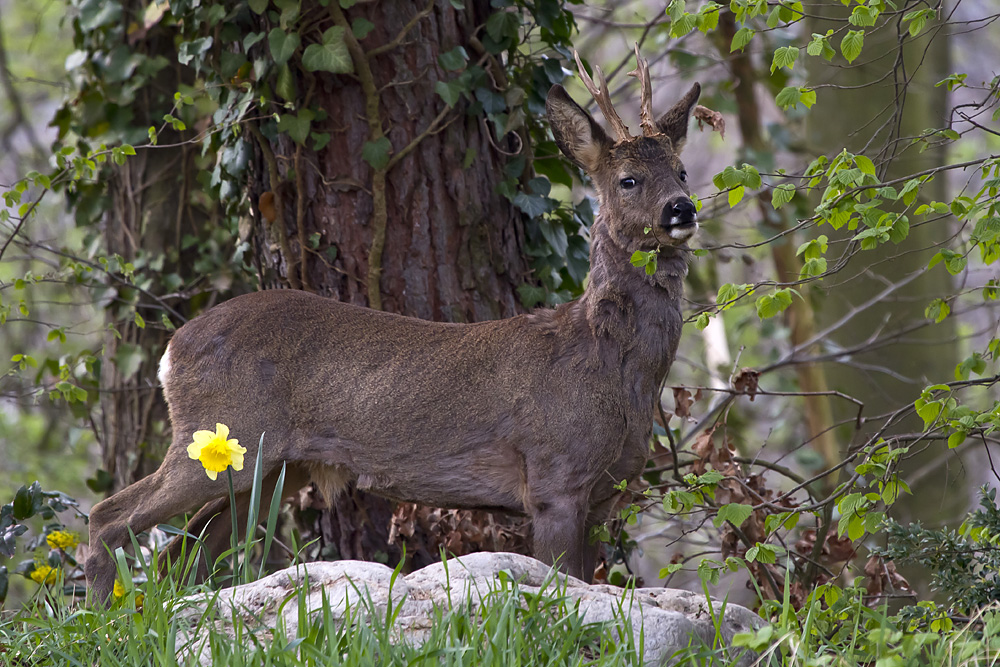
(44,574)
(61,539)
(216,451)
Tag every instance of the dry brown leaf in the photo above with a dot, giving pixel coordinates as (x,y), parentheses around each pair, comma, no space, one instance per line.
(713,119)
(267,208)
(746,382)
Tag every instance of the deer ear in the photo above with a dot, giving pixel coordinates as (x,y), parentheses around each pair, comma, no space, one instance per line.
(577,134)
(674,123)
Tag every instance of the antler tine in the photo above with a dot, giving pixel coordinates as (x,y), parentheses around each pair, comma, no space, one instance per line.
(603,99)
(641,72)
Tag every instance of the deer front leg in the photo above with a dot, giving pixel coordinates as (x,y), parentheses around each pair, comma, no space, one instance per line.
(598,515)
(558,533)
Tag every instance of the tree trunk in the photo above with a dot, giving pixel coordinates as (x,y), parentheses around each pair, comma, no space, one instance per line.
(453,246)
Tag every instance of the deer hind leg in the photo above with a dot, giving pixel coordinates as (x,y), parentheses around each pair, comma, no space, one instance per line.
(149,501)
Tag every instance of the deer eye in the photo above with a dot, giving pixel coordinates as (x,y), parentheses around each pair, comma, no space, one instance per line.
(627,183)
(684,176)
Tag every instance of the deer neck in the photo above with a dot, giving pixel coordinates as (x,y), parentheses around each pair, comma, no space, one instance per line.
(634,318)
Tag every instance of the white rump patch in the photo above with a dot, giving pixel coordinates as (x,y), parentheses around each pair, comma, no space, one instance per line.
(164,367)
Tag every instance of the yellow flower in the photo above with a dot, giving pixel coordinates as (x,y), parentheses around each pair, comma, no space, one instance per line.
(61,539)
(119,589)
(44,574)
(216,451)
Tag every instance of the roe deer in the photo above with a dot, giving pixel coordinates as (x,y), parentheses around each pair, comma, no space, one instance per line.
(540,414)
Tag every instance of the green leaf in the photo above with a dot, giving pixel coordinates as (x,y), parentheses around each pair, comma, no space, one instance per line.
(736,513)
(918,19)
(285,84)
(450,91)
(770,305)
(938,310)
(361,27)
(781,195)
(298,126)
(865,164)
(741,39)
(282,44)
(819,45)
(639,258)
(762,553)
(454,60)
(784,56)
(376,153)
(258,6)
(330,56)
(863,16)
(851,44)
(669,570)
(953,261)
(736,195)
(702,321)
(128,358)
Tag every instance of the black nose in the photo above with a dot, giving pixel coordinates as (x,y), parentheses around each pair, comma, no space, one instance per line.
(681,211)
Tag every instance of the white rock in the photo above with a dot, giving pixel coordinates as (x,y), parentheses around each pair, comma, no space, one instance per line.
(668,618)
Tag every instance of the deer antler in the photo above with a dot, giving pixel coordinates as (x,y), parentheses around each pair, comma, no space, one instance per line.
(603,99)
(641,72)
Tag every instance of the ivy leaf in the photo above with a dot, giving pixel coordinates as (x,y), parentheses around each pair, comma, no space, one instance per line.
(361,27)
(282,44)
(555,234)
(298,126)
(453,60)
(532,205)
(852,44)
(196,47)
(376,153)
(450,91)
(285,85)
(330,56)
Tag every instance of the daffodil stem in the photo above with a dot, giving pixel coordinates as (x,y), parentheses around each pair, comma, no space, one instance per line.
(236,529)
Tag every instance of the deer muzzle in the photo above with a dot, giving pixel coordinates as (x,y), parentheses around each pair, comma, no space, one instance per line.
(679,219)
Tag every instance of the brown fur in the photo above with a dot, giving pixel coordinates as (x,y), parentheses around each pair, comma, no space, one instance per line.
(539,414)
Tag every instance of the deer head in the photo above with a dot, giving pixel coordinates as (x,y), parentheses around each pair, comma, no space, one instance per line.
(640,181)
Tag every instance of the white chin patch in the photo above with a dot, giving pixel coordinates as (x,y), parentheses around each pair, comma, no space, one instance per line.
(682,233)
